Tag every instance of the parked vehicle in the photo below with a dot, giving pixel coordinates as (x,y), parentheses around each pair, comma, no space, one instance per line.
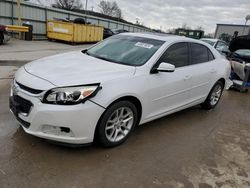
(195,34)
(240,61)
(118,31)
(103,92)
(107,33)
(4,35)
(219,45)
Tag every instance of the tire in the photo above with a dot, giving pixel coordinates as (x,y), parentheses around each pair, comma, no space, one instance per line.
(112,130)
(214,96)
(79,21)
(1,37)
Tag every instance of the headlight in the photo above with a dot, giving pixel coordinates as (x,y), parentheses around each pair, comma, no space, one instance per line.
(70,95)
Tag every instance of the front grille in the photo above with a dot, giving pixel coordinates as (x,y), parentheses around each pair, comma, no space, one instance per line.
(24,105)
(28,89)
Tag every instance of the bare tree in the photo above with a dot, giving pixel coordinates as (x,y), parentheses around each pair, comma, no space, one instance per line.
(68,4)
(200,28)
(185,26)
(171,30)
(43,2)
(110,8)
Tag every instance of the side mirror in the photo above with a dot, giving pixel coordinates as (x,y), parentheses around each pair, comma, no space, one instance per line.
(165,67)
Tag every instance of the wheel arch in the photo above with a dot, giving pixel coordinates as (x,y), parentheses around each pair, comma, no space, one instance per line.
(223,81)
(130,98)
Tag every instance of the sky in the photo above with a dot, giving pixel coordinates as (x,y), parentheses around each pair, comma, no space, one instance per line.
(168,14)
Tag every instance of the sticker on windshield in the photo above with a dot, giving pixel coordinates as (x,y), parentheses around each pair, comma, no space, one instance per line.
(144,45)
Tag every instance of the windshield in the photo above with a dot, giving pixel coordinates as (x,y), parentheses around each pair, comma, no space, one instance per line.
(125,49)
(209,42)
(243,53)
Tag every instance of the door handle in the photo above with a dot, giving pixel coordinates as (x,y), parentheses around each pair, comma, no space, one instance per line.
(187,77)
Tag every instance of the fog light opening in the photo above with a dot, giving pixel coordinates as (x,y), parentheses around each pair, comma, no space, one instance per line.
(58,131)
(65,129)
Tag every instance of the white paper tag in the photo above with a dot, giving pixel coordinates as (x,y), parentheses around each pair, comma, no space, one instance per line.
(144,45)
(60,30)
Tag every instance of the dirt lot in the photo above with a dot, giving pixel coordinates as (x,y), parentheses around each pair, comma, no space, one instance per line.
(193,148)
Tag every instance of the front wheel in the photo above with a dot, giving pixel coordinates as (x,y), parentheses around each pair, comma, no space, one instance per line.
(214,96)
(116,124)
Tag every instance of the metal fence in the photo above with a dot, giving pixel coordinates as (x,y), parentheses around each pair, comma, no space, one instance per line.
(38,15)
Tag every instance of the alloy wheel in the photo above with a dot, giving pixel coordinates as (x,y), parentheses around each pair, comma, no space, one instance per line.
(119,124)
(216,94)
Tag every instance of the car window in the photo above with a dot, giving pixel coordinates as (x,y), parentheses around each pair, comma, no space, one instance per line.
(210,55)
(177,54)
(220,46)
(199,53)
(243,52)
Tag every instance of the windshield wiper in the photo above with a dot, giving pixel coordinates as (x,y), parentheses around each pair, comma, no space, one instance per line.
(109,60)
(85,51)
(103,58)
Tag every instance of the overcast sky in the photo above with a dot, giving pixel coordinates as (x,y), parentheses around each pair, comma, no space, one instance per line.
(174,13)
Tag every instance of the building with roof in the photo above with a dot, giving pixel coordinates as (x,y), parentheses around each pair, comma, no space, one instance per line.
(230,29)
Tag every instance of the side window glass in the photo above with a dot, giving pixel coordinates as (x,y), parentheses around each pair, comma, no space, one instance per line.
(210,55)
(199,53)
(177,54)
(220,46)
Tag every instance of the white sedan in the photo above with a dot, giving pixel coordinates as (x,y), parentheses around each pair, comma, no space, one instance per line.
(103,92)
(219,45)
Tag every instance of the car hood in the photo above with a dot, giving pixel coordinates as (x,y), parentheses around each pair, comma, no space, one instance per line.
(76,68)
(241,42)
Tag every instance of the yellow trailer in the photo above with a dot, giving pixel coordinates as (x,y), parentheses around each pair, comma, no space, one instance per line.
(72,32)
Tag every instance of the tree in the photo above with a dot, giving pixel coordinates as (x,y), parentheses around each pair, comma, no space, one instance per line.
(171,30)
(68,4)
(110,8)
(199,28)
(185,26)
(225,37)
(43,2)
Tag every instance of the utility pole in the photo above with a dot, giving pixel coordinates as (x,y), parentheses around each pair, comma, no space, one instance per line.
(247,18)
(19,15)
(19,11)
(86,5)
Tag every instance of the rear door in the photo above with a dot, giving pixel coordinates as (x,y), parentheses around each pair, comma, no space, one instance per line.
(203,66)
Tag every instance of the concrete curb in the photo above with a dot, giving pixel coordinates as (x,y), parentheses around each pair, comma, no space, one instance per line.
(12,62)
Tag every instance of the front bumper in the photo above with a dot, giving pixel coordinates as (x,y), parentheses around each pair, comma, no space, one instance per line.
(73,124)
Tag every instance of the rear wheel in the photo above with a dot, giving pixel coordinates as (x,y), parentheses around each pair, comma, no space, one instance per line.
(214,96)
(116,124)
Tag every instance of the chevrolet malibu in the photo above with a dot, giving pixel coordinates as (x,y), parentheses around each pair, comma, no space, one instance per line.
(103,92)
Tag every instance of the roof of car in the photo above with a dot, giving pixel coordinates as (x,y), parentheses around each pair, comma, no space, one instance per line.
(213,40)
(169,38)
(158,36)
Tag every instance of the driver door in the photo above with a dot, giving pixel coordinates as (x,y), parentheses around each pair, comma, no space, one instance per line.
(170,91)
